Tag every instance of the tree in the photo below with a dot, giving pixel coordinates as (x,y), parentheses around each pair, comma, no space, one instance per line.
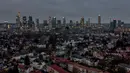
(27,60)
(121,70)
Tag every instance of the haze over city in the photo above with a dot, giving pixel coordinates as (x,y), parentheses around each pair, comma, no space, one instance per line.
(71,9)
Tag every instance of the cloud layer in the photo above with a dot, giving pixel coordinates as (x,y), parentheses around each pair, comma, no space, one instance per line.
(71,9)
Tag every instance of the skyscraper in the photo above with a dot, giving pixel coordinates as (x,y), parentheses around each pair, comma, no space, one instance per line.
(45,22)
(54,22)
(24,21)
(82,21)
(113,25)
(77,23)
(64,21)
(30,21)
(50,23)
(37,22)
(119,23)
(99,19)
(71,22)
(59,22)
(18,20)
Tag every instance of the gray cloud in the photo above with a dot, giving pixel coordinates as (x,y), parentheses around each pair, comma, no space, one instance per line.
(71,9)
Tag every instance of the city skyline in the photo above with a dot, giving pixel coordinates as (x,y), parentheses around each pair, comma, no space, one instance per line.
(70,9)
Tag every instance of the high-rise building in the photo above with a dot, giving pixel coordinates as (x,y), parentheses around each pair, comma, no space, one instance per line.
(37,22)
(119,23)
(122,23)
(18,20)
(99,19)
(30,21)
(82,21)
(77,23)
(64,21)
(59,22)
(45,22)
(54,22)
(71,22)
(50,23)
(113,25)
(24,20)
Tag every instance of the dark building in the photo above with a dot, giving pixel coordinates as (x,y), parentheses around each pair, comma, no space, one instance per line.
(71,22)
(30,21)
(24,20)
(30,18)
(64,21)
(45,22)
(77,23)
(37,22)
(54,22)
(122,23)
(58,22)
(113,25)
(119,23)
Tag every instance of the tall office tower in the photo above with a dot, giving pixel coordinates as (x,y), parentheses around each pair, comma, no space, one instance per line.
(77,23)
(24,21)
(122,23)
(50,23)
(119,23)
(82,21)
(37,25)
(54,22)
(59,22)
(64,21)
(37,22)
(30,22)
(113,25)
(99,19)
(89,21)
(45,22)
(18,21)
(71,22)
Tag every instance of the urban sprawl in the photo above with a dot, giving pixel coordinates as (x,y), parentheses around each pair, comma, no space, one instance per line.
(55,46)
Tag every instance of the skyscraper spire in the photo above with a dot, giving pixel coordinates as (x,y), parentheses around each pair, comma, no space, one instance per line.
(18,21)
(99,19)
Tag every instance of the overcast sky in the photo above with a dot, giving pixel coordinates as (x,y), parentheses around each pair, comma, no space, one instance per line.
(71,9)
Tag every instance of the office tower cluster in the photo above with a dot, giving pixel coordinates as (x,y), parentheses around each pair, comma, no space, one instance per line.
(116,23)
(26,23)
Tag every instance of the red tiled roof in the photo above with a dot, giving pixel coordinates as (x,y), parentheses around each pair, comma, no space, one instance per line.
(21,66)
(57,59)
(81,66)
(84,67)
(58,69)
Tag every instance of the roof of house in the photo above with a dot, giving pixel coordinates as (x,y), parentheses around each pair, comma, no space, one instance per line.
(58,69)
(87,68)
